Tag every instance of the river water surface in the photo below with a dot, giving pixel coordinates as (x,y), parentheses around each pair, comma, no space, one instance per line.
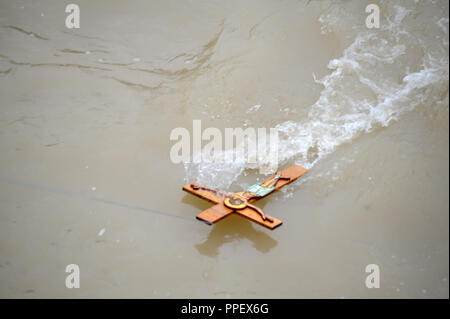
(85,173)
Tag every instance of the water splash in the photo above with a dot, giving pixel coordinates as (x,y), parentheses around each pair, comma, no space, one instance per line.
(381,75)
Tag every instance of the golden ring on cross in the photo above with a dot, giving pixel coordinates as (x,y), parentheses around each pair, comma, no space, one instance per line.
(235,202)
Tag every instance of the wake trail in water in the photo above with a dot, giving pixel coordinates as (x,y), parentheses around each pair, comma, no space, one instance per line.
(381,75)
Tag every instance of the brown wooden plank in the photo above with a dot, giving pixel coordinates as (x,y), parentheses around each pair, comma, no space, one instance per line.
(293,172)
(209,196)
(214,214)
(219,211)
(255,217)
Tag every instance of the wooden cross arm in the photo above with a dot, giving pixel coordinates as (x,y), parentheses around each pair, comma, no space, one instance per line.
(214,214)
(220,211)
(292,172)
(209,196)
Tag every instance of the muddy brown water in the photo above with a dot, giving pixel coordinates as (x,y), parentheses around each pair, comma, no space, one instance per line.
(85,173)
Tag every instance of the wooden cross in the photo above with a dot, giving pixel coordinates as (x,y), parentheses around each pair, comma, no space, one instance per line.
(240,202)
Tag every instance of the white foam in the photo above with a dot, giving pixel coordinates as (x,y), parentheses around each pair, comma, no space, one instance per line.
(254,108)
(369,86)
